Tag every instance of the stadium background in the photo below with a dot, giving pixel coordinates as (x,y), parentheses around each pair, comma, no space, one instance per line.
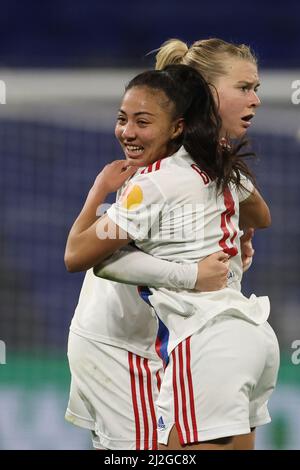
(65,65)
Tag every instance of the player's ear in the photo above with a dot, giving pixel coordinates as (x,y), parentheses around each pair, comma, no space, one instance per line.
(178,128)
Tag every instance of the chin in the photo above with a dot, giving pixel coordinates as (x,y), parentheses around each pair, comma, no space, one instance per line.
(240,134)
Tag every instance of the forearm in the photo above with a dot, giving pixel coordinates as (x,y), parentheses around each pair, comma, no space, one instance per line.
(91,240)
(83,233)
(133,266)
(88,214)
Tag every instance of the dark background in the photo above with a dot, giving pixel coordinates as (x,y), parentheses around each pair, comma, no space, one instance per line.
(65,33)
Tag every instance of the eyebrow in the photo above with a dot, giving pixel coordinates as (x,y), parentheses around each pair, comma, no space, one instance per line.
(248,83)
(138,113)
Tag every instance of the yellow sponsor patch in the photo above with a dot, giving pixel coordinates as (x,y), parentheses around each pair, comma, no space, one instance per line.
(133,199)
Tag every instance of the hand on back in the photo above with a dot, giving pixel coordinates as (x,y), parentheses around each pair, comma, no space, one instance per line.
(247,248)
(212,272)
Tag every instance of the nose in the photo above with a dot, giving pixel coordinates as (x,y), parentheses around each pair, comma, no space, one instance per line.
(128,131)
(255,101)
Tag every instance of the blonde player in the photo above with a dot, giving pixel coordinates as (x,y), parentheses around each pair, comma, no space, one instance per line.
(161,110)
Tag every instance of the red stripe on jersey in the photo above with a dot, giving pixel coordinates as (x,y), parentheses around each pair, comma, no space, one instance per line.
(146,170)
(158,380)
(191,389)
(183,395)
(152,167)
(151,404)
(204,176)
(226,221)
(143,402)
(158,344)
(157,165)
(134,402)
(176,403)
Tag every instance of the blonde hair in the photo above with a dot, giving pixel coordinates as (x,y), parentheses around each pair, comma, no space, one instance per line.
(207,56)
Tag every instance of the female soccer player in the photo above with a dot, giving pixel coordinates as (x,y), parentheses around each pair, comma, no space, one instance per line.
(160,111)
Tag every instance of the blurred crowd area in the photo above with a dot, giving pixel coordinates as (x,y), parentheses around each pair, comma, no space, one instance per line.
(67,33)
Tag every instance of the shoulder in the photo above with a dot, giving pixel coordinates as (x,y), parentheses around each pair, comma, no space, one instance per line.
(142,190)
(153,167)
(245,189)
(154,177)
(172,174)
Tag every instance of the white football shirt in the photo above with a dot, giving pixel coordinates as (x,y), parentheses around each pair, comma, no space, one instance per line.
(173,211)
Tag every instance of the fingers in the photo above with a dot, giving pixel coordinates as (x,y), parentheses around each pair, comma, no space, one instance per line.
(221,256)
(226,264)
(218,256)
(247,263)
(213,272)
(122,167)
(250,252)
(247,251)
(130,170)
(125,167)
(248,235)
(119,163)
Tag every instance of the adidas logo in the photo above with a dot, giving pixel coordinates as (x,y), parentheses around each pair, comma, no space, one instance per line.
(161,424)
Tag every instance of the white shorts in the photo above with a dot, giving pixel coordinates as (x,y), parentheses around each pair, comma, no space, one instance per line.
(218,381)
(113,393)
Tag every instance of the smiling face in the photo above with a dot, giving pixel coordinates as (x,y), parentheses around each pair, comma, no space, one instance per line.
(237,96)
(145,126)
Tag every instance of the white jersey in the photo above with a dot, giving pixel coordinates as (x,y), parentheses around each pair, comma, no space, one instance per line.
(173,211)
(113,313)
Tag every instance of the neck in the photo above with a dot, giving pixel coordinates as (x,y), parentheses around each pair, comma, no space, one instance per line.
(173,148)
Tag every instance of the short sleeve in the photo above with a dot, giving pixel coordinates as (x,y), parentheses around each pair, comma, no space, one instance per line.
(245,189)
(138,209)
